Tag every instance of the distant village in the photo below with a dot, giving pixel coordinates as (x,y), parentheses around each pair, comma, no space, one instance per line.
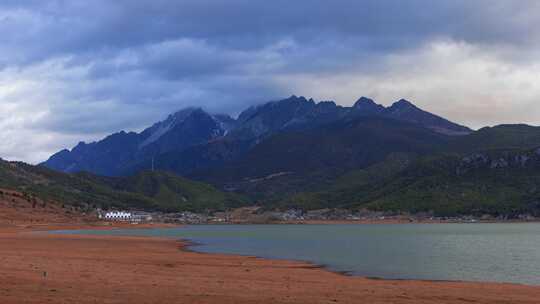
(257,215)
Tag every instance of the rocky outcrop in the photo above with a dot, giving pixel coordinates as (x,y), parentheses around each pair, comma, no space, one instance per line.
(502,160)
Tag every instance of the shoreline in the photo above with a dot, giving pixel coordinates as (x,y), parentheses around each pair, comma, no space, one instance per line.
(172,272)
(379,222)
(188,246)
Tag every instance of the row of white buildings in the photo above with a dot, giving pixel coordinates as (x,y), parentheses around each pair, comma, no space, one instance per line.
(125,216)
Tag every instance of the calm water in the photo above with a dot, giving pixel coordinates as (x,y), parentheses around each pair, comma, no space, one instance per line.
(470,252)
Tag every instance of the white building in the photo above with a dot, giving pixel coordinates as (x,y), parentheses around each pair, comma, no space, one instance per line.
(118,216)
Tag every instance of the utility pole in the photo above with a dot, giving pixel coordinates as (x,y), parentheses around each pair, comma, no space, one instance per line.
(152,164)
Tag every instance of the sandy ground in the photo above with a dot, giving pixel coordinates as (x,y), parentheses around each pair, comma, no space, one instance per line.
(44,268)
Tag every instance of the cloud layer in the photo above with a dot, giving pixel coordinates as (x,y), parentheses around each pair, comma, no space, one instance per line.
(77,70)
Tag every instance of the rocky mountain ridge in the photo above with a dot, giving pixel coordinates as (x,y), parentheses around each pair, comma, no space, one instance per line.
(191,128)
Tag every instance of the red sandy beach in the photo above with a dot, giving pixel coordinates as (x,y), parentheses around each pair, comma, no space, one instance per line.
(46,268)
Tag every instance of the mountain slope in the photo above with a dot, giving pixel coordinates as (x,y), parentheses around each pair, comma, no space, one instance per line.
(102,157)
(492,171)
(115,153)
(176,193)
(291,161)
(178,133)
(18,208)
(496,184)
(86,191)
(406,111)
(502,137)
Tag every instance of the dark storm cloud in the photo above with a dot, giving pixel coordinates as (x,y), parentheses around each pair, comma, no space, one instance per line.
(77,70)
(67,27)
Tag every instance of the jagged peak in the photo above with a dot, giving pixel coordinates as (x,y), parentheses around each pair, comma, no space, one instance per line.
(182,115)
(367,106)
(364,100)
(295,98)
(403,103)
(246,114)
(79,147)
(186,112)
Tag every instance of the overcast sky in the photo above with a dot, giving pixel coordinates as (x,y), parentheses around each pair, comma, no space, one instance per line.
(78,70)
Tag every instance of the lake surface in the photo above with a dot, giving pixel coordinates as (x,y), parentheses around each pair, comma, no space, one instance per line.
(468,252)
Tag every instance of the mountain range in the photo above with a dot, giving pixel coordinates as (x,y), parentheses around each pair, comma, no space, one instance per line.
(194,130)
(298,153)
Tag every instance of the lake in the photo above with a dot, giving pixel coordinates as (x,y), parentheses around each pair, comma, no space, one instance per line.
(465,252)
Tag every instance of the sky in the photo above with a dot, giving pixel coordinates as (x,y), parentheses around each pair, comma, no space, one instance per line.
(75,71)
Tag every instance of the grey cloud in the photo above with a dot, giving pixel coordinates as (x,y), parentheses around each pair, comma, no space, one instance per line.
(54,28)
(77,70)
